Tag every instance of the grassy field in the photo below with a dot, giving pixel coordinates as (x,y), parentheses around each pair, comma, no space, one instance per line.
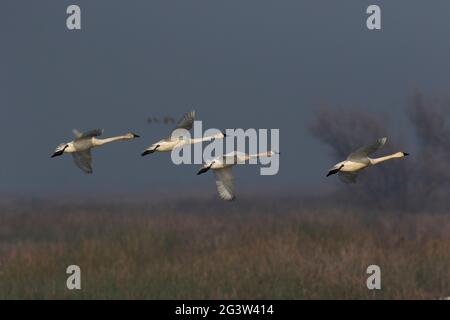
(209,250)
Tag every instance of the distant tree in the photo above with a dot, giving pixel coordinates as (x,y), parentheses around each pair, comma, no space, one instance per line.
(430,120)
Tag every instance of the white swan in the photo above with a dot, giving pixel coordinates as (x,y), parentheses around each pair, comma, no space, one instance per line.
(172,142)
(81,146)
(222,165)
(348,169)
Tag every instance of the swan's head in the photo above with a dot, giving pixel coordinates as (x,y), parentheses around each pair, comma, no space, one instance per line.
(205,167)
(60,150)
(132,135)
(336,168)
(271,153)
(220,135)
(400,154)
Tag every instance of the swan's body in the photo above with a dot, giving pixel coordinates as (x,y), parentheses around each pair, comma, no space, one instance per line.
(221,167)
(173,141)
(348,169)
(81,146)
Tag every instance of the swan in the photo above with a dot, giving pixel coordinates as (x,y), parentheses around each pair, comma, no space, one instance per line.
(81,146)
(172,142)
(222,166)
(348,169)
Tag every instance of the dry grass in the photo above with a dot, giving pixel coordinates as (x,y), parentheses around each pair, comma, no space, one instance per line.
(230,251)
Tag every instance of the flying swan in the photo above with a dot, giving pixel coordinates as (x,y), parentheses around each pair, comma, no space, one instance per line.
(173,141)
(222,165)
(348,169)
(81,146)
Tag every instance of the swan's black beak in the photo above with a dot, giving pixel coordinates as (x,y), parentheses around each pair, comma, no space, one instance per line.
(57,153)
(135,135)
(405,154)
(203,170)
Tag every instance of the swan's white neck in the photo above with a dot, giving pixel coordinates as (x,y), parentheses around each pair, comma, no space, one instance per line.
(261,154)
(207,138)
(247,157)
(374,161)
(100,142)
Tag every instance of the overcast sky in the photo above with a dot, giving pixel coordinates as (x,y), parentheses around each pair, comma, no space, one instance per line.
(239,64)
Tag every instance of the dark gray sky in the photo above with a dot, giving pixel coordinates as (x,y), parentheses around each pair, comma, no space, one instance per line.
(240,64)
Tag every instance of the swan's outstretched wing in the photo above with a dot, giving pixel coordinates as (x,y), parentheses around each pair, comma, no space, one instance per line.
(83,160)
(347,177)
(225,183)
(186,122)
(77,133)
(88,134)
(363,152)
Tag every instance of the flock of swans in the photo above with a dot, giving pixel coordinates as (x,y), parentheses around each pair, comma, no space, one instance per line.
(81,146)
